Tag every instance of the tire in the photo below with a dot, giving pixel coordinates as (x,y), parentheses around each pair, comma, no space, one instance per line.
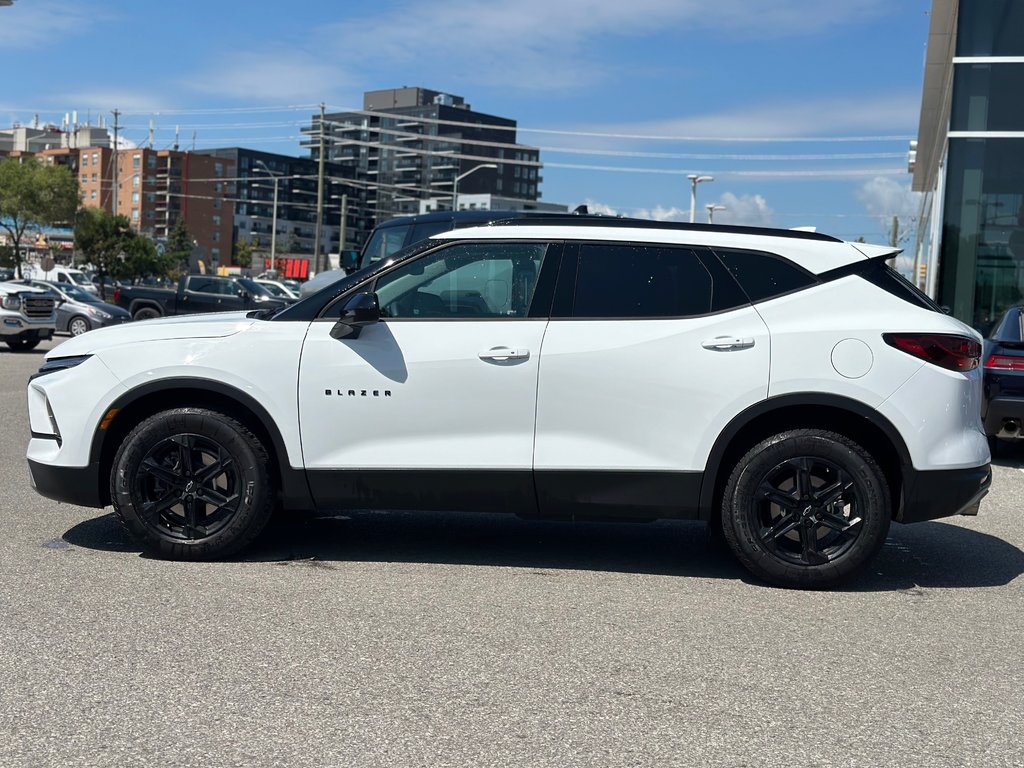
(806,508)
(23,345)
(78,325)
(192,484)
(145,313)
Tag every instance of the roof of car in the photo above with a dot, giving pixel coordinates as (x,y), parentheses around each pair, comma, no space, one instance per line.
(814,252)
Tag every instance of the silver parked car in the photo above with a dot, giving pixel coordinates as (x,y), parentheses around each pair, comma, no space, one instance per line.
(79,310)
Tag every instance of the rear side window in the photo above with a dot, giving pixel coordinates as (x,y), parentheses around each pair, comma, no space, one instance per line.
(888,279)
(764,275)
(641,281)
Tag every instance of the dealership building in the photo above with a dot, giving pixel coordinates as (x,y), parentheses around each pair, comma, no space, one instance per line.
(969,159)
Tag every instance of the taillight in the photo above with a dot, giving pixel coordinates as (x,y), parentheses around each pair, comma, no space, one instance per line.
(117,294)
(1005,363)
(955,353)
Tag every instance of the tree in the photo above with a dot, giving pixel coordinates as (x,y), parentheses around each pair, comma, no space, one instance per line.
(179,246)
(34,195)
(243,254)
(117,250)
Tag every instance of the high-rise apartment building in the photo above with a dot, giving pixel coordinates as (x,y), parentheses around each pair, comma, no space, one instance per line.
(157,188)
(414,144)
(296,180)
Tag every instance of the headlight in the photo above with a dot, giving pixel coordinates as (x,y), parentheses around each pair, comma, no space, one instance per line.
(58,364)
(101,314)
(12,302)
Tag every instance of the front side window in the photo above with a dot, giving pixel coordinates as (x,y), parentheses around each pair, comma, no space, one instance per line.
(466,281)
(641,281)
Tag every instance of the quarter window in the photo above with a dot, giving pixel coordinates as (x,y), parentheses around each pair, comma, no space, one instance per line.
(641,281)
(466,281)
(763,275)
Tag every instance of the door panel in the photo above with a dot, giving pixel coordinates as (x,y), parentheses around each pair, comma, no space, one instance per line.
(645,395)
(434,406)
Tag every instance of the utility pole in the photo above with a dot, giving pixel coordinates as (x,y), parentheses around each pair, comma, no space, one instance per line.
(344,227)
(319,194)
(116,114)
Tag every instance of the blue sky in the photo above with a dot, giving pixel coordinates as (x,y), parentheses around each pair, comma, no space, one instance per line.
(800,109)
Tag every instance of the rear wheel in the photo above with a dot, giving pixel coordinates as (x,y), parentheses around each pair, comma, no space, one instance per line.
(806,508)
(192,484)
(78,325)
(146,313)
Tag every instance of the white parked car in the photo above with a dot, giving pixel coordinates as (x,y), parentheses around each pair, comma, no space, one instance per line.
(277,289)
(62,276)
(784,386)
(27,315)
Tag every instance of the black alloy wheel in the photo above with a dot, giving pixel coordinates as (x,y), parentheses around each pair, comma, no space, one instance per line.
(806,511)
(806,508)
(192,484)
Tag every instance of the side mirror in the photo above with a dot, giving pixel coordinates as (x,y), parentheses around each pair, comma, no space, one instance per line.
(350,261)
(362,309)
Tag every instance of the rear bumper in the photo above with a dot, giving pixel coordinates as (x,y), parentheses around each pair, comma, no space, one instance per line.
(929,495)
(999,411)
(74,485)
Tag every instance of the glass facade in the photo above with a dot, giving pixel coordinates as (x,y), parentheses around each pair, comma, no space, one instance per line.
(981,269)
(982,272)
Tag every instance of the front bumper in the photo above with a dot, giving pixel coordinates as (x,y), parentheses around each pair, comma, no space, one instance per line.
(74,485)
(928,495)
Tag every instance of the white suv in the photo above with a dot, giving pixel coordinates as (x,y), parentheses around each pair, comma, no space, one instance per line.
(787,387)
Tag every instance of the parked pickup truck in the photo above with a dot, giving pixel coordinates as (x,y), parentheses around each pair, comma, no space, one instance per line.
(195,294)
(27,315)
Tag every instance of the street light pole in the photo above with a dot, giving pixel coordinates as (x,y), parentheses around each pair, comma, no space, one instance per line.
(694,181)
(273,217)
(455,184)
(712,207)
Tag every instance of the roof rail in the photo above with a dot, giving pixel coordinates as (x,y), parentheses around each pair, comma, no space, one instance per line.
(594,220)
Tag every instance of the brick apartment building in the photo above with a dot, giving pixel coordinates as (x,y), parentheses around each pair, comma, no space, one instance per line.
(156,188)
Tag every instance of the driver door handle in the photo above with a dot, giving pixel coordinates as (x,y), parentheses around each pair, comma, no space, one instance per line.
(727,343)
(504,353)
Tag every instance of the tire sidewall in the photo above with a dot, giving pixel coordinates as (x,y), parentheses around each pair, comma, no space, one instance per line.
(871,491)
(249,461)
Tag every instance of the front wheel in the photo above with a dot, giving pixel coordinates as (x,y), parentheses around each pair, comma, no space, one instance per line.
(192,484)
(806,508)
(78,325)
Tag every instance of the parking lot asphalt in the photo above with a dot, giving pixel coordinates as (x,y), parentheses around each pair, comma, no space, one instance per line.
(414,639)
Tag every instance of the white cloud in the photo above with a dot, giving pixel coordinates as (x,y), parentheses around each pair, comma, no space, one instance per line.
(272,76)
(548,45)
(851,116)
(745,210)
(33,23)
(885,198)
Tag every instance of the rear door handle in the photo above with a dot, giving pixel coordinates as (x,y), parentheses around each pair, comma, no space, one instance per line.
(504,353)
(727,343)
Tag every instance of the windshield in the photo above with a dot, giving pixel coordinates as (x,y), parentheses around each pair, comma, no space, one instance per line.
(79,278)
(79,294)
(383,243)
(254,288)
(274,290)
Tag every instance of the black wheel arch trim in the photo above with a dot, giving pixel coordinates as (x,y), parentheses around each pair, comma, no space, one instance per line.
(765,407)
(294,488)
